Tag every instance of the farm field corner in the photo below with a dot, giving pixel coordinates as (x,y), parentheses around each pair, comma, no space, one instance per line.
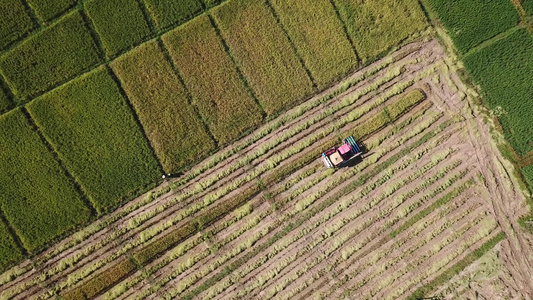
(262,218)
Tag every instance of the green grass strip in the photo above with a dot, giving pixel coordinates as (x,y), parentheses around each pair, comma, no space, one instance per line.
(445,199)
(421,292)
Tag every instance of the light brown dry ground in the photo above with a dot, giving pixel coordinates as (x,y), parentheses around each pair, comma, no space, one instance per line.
(341,246)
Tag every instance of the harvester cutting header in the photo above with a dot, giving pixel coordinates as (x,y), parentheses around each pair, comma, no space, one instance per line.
(338,157)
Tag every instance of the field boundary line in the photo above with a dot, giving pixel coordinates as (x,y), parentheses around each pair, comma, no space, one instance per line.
(134,114)
(492,40)
(188,95)
(239,71)
(148,18)
(11,230)
(345,29)
(8,93)
(55,154)
(77,186)
(293,46)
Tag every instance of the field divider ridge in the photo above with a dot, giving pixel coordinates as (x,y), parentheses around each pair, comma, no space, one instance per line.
(239,71)
(49,146)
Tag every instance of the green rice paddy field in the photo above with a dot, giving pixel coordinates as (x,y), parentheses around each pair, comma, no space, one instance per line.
(100,99)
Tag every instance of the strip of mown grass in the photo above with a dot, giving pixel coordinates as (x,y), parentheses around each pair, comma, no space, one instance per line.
(319,37)
(211,77)
(90,125)
(504,70)
(264,53)
(49,9)
(38,199)
(167,13)
(54,55)
(14,22)
(377,26)
(120,24)
(470,22)
(160,100)
(456,269)
(9,251)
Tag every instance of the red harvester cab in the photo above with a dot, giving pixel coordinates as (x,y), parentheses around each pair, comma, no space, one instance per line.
(338,157)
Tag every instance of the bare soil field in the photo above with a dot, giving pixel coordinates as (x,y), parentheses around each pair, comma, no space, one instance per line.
(431,189)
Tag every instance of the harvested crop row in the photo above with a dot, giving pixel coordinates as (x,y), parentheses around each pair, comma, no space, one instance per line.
(297,112)
(326,231)
(262,256)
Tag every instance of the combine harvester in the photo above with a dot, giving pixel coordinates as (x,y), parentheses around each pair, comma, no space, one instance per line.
(338,157)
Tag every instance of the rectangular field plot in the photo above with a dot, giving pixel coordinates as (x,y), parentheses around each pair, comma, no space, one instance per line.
(54,55)
(89,124)
(263,52)
(211,77)
(319,36)
(379,25)
(14,22)
(170,122)
(37,198)
(470,22)
(504,71)
(168,13)
(264,219)
(49,9)
(120,24)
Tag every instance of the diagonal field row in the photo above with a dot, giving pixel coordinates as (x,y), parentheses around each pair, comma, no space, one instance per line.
(262,218)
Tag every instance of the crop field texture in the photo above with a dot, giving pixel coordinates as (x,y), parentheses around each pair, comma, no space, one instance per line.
(90,126)
(319,37)
(263,218)
(49,9)
(53,56)
(171,124)
(5,103)
(264,53)
(528,6)
(504,71)
(14,22)
(120,24)
(170,12)
(377,26)
(35,189)
(212,78)
(470,22)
